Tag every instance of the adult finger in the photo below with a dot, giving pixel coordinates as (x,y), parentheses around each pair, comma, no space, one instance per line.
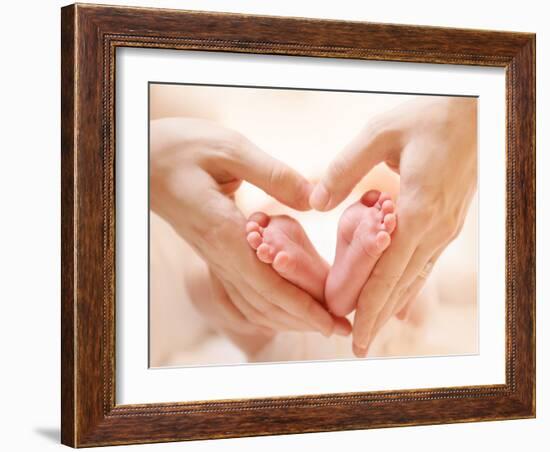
(239,157)
(342,326)
(297,302)
(231,315)
(245,266)
(366,150)
(274,177)
(269,310)
(252,314)
(420,264)
(379,286)
(403,309)
(278,291)
(268,307)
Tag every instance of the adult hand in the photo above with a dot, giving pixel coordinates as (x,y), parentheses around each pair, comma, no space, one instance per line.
(195,168)
(432,144)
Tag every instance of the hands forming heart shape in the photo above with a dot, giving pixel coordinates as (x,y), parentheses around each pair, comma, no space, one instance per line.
(197,165)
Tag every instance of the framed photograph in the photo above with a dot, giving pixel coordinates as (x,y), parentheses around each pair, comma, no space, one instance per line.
(282,225)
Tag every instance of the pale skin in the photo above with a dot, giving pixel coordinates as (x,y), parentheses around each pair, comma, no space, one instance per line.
(432,144)
(364,232)
(196,166)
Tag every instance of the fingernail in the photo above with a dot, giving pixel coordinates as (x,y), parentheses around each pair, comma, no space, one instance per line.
(319,198)
(360,350)
(403,315)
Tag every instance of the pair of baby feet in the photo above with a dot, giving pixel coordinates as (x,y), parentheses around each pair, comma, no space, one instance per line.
(364,232)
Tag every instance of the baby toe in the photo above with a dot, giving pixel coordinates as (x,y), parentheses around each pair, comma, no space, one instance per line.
(389,222)
(254,239)
(252,226)
(284,262)
(382,240)
(387,206)
(259,217)
(370,198)
(265,253)
(383,198)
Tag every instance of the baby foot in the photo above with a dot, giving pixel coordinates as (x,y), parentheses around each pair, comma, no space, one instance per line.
(363,234)
(282,242)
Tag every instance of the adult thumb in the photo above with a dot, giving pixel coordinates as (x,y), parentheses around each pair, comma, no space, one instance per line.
(271,175)
(364,152)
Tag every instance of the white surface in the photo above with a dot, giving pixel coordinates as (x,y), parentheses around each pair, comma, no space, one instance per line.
(138,384)
(30,229)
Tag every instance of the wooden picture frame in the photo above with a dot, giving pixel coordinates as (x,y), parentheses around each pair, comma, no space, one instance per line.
(90,35)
